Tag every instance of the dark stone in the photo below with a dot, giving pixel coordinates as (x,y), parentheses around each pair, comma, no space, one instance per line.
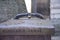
(26,37)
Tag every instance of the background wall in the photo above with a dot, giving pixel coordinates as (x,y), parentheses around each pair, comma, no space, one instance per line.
(55,15)
(9,8)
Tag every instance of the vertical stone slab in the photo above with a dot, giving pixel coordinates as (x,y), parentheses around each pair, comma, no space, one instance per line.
(41,6)
(34,6)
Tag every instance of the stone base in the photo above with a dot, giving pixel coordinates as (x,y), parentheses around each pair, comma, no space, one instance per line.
(25,37)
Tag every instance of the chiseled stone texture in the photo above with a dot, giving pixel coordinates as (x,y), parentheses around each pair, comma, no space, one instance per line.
(9,8)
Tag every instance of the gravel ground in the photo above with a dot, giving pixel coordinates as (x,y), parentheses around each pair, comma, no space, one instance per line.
(55,38)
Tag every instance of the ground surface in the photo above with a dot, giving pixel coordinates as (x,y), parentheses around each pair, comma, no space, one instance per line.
(55,38)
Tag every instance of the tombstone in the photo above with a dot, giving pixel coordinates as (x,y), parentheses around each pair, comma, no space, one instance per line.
(27,26)
(26,29)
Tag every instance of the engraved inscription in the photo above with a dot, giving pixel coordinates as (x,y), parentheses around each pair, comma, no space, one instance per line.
(20,30)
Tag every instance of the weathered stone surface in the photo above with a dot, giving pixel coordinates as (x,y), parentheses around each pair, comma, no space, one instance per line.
(9,8)
(33,26)
(55,9)
(26,37)
(43,7)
